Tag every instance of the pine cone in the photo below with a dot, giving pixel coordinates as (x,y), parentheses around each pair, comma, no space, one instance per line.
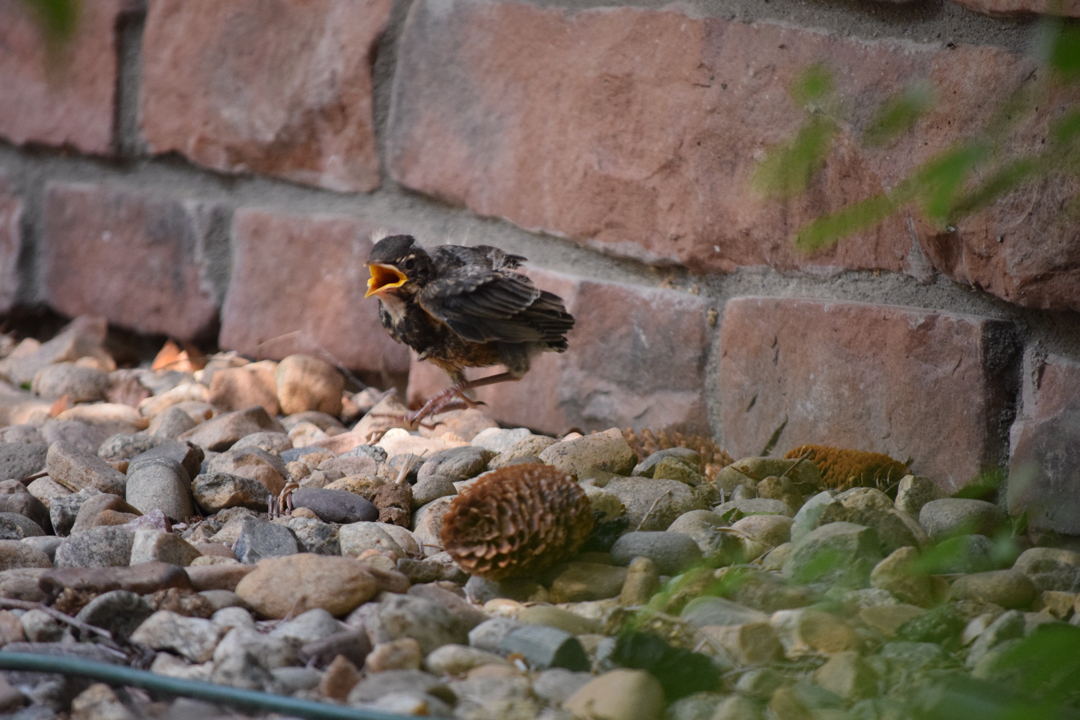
(846,469)
(517,520)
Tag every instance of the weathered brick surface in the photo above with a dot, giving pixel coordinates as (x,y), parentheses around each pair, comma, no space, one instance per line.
(1044,469)
(298,284)
(636,359)
(10,243)
(64,99)
(931,386)
(279,88)
(1022,8)
(137,258)
(637,131)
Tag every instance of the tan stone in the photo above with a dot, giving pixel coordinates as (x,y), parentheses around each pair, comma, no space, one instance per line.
(282,89)
(620,695)
(293,584)
(66,101)
(917,374)
(240,388)
(339,679)
(306,383)
(753,643)
(321,307)
(636,359)
(887,619)
(847,675)
(153,249)
(807,631)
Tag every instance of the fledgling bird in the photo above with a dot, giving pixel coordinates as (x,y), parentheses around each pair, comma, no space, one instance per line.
(461,307)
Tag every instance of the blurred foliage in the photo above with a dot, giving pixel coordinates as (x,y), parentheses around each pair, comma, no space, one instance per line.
(970,175)
(57,19)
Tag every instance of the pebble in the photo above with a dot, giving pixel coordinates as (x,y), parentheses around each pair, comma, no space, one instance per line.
(753,643)
(428,523)
(192,638)
(307,383)
(139,579)
(293,584)
(460,463)
(887,619)
(898,574)
(160,484)
(14,526)
(558,618)
(221,432)
(1007,588)
(156,545)
(338,506)
(806,631)
(238,388)
(254,463)
(171,423)
(91,509)
(642,582)
(17,555)
(431,487)
(771,530)
(75,434)
(708,530)
(960,516)
(189,456)
(25,504)
(914,491)
(605,451)
(497,440)
(619,695)
(378,684)
(76,469)
(715,611)
(453,659)
(847,675)
(359,537)
(1051,568)
(261,539)
(96,547)
(962,554)
(214,492)
(839,553)
(21,459)
(315,536)
(489,634)
(120,612)
(403,654)
(671,551)
(428,622)
(652,505)
(311,626)
(544,646)
(581,581)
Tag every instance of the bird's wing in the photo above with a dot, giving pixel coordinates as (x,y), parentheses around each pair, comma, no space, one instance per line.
(481,305)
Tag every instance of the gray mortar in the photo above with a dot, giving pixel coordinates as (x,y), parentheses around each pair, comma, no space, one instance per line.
(928,21)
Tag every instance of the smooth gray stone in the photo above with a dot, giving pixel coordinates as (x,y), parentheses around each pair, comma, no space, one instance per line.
(545,647)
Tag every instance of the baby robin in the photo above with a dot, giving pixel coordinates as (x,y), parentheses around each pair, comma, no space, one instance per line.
(464,307)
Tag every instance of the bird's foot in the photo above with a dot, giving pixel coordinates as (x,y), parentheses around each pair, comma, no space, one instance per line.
(452,398)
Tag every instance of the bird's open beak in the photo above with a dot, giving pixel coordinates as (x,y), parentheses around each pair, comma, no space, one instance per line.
(383,277)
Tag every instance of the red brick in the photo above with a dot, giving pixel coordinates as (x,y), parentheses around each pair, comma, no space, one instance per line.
(298,284)
(637,131)
(11,207)
(137,258)
(1022,8)
(281,88)
(637,359)
(931,386)
(65,99)
(1044,470)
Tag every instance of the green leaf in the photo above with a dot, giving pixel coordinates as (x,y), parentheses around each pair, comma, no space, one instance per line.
(1063,51)
(813,85)
(789,168)
(57,18)
(827,230)
(940,180)
(899,114)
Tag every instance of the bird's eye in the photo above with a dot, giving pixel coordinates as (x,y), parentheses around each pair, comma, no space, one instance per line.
(410,263)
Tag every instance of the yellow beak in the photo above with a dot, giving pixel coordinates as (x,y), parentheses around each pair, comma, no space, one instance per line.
(383,277)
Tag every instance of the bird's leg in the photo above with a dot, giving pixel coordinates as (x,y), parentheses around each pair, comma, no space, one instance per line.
(456,394)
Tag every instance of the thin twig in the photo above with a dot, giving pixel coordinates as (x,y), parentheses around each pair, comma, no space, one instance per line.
(651,508)
(56,614)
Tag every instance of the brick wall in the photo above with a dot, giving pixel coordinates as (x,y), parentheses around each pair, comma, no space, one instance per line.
(213,171)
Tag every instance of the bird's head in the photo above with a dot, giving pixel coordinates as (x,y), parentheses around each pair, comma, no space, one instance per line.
(398,266)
